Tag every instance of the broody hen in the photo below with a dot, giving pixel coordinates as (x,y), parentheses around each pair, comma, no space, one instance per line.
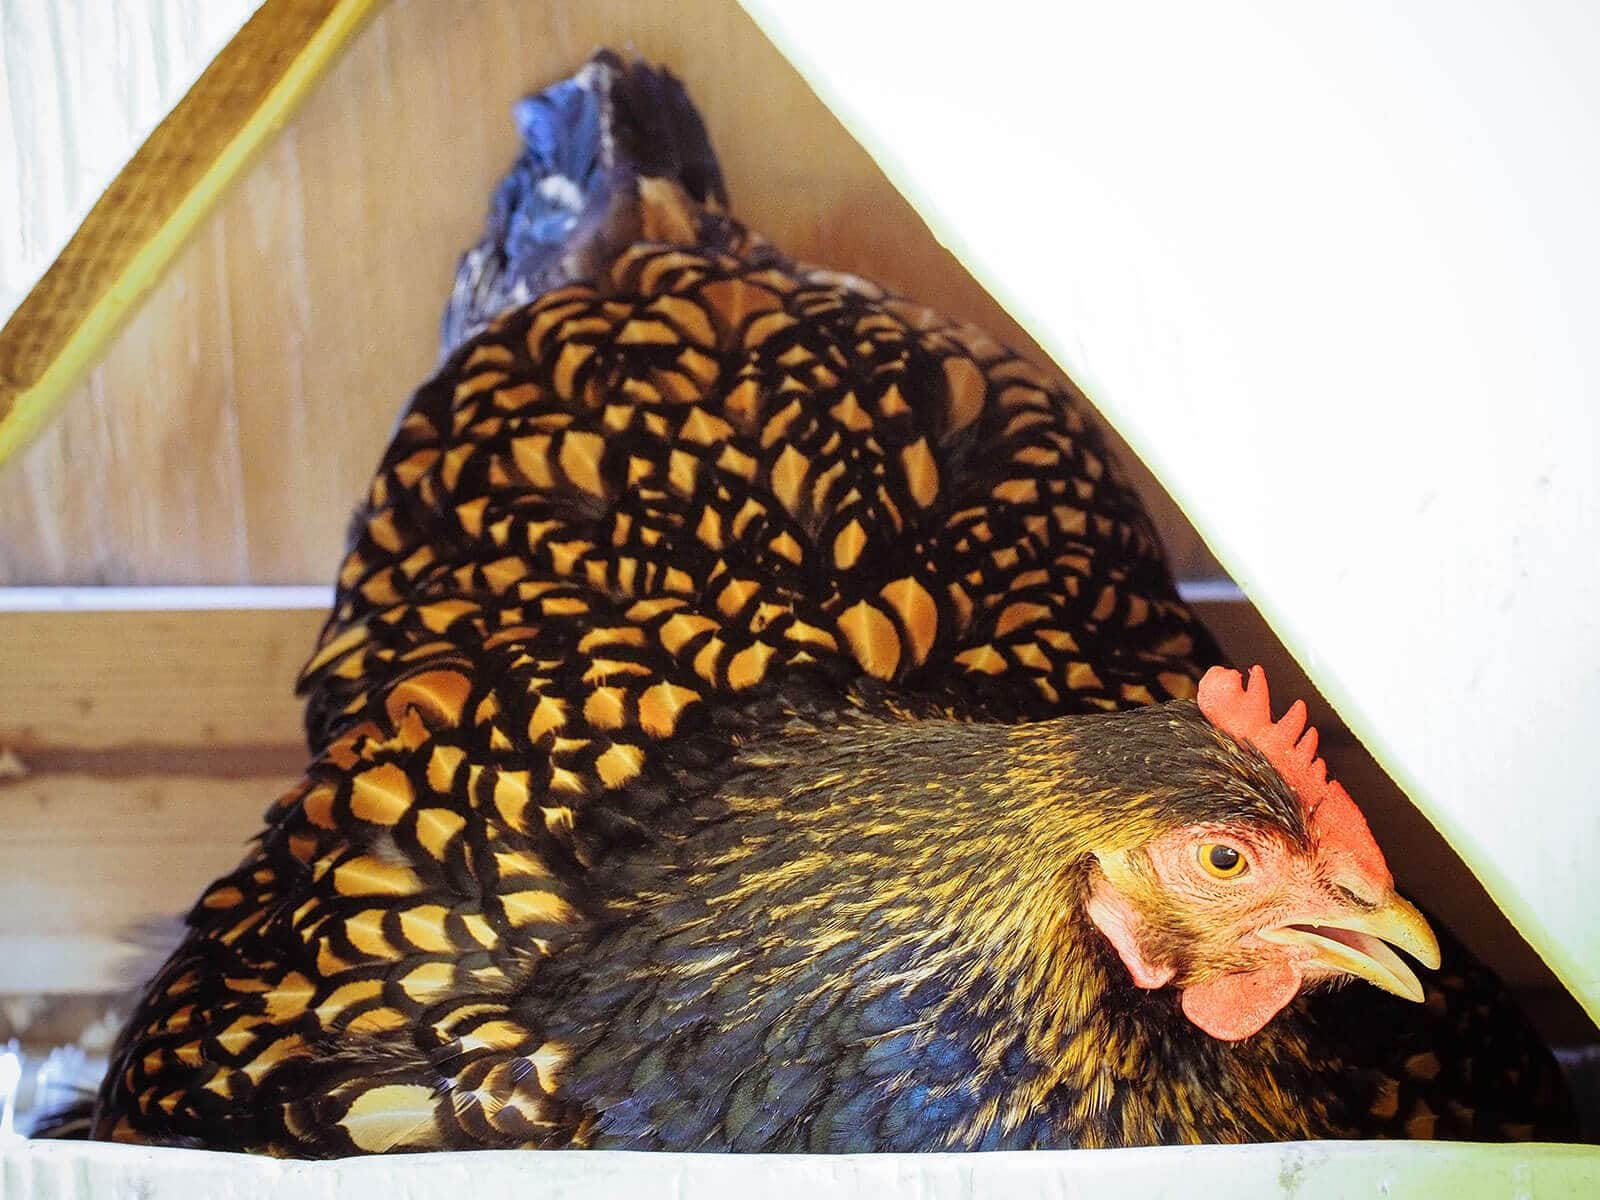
(757,716)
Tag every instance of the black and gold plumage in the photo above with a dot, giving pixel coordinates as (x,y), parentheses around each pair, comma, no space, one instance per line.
(733,672)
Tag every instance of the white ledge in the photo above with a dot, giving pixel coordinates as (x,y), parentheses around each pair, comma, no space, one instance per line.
(1303,1170)
(192,599)
(161,599)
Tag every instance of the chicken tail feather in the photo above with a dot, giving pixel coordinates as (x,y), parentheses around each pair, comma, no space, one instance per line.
(592,147)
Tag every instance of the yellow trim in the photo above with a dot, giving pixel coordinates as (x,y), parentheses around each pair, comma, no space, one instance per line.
(33,406)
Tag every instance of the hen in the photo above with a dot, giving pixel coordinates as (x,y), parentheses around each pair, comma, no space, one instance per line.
(756,715)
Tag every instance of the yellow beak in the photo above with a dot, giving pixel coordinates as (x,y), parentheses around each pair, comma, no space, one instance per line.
(1356,942)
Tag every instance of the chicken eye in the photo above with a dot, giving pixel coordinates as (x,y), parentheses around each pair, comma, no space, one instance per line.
(1222,861)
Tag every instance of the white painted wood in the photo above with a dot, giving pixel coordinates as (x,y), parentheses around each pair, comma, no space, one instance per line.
(164,599)
(1334,271)
(209,598)
(1303,1170)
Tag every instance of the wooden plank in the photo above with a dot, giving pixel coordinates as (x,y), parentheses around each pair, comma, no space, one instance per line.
(94,868)
(237,416)
(218,683)
(138,751)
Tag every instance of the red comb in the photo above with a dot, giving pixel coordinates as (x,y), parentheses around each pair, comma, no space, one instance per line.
(1290,745)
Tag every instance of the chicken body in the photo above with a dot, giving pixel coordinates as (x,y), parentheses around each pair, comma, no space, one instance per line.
(733,675)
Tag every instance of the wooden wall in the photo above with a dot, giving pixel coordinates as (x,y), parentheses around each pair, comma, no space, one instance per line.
(138,751)
(238,415)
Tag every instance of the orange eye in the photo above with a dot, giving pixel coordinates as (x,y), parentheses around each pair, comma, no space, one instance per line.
(1222,861)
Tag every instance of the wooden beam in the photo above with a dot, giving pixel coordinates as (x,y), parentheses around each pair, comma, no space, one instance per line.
(126,683)
(138,751)
(96,871)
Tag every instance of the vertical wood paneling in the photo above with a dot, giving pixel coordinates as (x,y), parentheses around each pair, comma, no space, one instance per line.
(235,420)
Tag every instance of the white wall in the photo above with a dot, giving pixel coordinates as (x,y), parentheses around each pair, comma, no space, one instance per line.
(1334,271)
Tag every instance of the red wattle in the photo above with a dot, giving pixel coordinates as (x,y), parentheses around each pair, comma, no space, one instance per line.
(1236,1006)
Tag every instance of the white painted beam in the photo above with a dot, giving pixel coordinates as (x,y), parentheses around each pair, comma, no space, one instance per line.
(1334,272)
(1303,1170)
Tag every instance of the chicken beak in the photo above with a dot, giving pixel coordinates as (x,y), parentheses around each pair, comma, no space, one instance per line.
(1356,942)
